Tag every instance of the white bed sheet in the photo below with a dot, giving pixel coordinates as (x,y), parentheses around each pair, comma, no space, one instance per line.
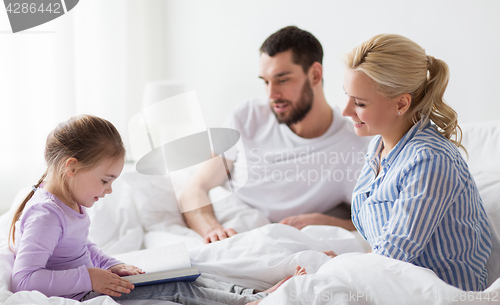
(376,280)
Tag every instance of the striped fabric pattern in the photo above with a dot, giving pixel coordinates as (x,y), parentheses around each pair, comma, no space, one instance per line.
(424,208)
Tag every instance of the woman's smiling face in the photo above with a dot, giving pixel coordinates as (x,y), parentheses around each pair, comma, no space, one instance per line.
(371,111)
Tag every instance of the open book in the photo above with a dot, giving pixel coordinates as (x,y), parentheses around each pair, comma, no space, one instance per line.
(163,264)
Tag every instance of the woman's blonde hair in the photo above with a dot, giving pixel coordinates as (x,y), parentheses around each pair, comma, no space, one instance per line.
(88,139)
(398,66)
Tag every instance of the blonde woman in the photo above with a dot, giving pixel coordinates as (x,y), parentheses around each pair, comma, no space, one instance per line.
(415,199)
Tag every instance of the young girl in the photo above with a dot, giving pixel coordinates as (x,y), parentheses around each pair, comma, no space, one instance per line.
(415,199)
(84,157)
(49,231)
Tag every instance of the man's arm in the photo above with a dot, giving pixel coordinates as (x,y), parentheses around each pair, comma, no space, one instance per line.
(202,220)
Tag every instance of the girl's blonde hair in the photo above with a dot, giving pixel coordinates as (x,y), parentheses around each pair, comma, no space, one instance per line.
(398,66)
(88,139)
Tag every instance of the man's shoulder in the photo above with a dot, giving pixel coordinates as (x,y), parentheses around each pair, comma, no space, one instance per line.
(256,106)
(253,112)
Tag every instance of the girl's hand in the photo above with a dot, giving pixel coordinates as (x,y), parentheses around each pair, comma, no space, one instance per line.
(106,282)
(124,270)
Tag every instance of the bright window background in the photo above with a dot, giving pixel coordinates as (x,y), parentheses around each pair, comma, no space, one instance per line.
(95,59)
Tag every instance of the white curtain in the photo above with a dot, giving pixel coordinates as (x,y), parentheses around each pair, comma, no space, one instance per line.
(95,59)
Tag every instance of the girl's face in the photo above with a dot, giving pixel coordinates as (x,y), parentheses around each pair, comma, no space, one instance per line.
(372,113)
(87,186)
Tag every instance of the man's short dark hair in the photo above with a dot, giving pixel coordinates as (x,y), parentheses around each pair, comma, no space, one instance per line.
(306,49)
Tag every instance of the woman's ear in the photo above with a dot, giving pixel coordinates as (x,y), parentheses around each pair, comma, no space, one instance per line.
(403,103)
(70,166)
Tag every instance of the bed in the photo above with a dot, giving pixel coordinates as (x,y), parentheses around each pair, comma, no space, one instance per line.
(142,213)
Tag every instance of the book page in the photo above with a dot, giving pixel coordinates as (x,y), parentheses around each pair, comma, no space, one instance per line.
(168,257)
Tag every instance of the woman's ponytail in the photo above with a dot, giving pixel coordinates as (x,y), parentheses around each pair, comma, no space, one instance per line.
(432,104)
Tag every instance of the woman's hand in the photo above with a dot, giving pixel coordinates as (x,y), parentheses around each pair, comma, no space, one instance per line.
(301,221)
(330,253)
(106,282)
(124,270)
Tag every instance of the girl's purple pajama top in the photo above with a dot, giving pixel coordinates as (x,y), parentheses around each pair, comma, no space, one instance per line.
(52,249)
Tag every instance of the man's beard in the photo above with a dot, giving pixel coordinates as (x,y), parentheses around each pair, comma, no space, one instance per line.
(298,110)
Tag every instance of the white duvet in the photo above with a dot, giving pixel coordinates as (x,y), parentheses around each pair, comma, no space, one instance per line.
(141,213)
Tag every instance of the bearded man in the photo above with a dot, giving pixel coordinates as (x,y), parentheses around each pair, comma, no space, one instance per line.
(301,155)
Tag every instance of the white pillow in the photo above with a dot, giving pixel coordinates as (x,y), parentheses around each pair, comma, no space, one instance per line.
(489,189)
(482,141)
(155,201)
